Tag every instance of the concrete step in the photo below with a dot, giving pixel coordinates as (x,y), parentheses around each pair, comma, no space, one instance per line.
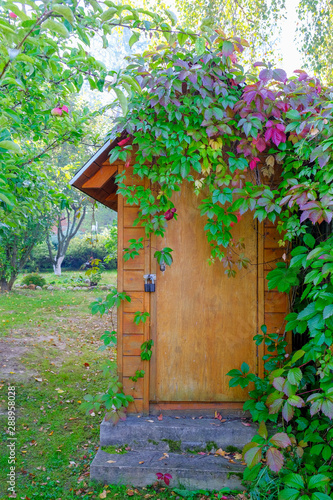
(139,468)
(177,434)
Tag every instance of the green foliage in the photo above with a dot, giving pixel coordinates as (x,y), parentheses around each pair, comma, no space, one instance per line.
(140,317)
(146,350)
(133,250)
(94,271)
(113,401)
(138,374)
(80,251)
(34,279)
(109,340)
(114,298)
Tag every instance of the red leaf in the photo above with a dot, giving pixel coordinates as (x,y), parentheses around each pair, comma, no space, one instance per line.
(160,417)
(274,459)
(167,478)
(159,475)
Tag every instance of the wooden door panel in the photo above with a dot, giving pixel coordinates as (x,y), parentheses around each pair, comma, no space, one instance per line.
(204,321)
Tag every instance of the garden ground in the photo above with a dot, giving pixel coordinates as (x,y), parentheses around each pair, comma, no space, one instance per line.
(48,351)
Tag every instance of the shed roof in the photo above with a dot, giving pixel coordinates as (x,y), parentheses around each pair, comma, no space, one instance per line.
(97,177)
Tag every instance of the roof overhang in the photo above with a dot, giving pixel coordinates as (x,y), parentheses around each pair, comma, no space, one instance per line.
(97,177)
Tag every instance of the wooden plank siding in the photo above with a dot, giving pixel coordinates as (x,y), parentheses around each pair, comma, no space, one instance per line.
(130,280)
(276,304)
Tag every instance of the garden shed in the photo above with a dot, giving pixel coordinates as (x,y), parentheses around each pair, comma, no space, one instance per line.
(201,321)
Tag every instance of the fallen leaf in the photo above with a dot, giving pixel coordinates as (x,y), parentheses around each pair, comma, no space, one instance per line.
(130,493)
(111,461)
(103,494)
(246,424)
(51,433)
(141,462)
(201,453)
(220,452)
(160,417)
(238,456)
(38,379)
(150,421)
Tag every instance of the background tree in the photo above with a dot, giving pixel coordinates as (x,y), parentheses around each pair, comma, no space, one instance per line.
(68,222)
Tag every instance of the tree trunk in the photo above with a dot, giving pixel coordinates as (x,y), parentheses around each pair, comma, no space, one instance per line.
(57,265)
(5,286)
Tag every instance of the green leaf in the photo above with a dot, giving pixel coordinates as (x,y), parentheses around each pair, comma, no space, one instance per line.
(288,494)
(294,480)
(171,16)
(58,28)
(11,146)
(317,495)
(262,431)
(182,37)
(328,311)
(134,38)
(309,240)
(200,45)
(122,99)
(245,368)
(293,114)
(64,11)
(295,376)
(318,481)
(108,14)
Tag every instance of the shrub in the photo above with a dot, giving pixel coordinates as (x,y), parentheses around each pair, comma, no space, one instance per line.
(33,279)
(79,252)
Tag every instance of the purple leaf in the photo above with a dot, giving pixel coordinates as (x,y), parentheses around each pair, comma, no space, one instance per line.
(227,48)
(327,409)
(274,459)
(279,75)
(253,456)
(287,412)
(259,63)
(296,401)
(212,130)
(278,383)
(275,406)
(193,77)
(281,439)
(266,74)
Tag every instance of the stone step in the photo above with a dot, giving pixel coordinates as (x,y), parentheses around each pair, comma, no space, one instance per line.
(177,434)
(139,468)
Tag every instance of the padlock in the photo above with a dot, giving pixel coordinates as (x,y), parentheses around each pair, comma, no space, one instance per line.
(147,287)
(152,285)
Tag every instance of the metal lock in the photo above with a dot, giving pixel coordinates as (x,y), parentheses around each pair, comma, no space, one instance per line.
(149,282)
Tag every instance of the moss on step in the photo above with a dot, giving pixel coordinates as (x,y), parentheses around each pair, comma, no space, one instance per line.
(114,450)
(174,446)
(151,441)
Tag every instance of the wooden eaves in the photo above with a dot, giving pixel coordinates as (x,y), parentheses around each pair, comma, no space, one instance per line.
(97,177)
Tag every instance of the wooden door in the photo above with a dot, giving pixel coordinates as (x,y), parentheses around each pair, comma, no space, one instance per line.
(202,321)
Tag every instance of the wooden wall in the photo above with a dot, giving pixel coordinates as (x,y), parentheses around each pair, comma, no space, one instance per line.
(130,280)
(272,306)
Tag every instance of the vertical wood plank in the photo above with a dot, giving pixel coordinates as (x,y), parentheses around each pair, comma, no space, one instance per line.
(120,286)
(261,296)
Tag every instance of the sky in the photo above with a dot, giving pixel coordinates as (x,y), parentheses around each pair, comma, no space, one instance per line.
(291,57)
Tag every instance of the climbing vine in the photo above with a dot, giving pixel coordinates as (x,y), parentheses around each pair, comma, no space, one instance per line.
(258,143)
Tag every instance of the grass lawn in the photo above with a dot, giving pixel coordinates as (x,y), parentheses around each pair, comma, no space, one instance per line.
(48,349)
